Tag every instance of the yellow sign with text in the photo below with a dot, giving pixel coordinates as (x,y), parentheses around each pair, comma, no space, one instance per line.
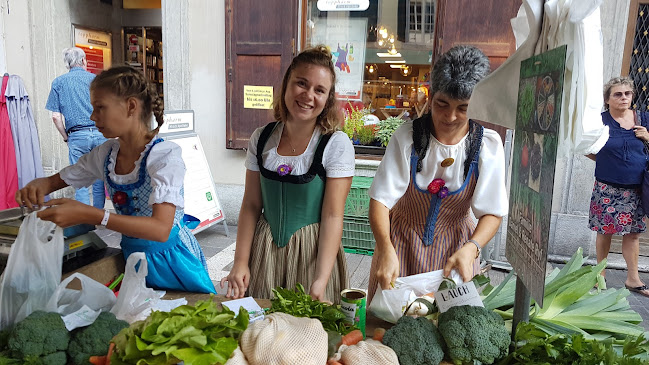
(257,97)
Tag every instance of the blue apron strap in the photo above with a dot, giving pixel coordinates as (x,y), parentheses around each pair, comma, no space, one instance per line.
(190,221)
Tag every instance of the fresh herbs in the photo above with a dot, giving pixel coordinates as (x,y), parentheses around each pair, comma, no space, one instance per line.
(300,304)
(387,128)
(534,346)
(198,335)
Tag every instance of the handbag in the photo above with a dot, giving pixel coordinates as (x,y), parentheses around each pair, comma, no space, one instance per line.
(644,196)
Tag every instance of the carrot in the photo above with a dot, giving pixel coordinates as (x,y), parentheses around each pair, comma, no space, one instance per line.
(98,360)
(378,334)
(111,348)
(352,338)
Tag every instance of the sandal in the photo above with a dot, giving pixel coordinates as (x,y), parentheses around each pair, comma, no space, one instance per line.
(642,290)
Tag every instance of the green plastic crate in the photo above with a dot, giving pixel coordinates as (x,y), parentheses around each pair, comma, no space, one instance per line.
(358,200)
(357,236)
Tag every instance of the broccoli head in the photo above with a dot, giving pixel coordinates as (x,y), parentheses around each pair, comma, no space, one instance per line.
(39,335)
(416,341)
(94,339)
(474,333)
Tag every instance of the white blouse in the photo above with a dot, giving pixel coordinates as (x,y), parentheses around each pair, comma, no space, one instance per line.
(337,159)
(393,175)
(164,165)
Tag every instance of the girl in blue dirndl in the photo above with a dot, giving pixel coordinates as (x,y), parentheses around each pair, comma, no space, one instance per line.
(144,176)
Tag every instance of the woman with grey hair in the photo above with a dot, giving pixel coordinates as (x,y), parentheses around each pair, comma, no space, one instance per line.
(615,207)
(74,57)
(435,170)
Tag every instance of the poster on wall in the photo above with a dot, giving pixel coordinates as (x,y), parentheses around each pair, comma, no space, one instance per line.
(345,38)
(533,167)
(97,46)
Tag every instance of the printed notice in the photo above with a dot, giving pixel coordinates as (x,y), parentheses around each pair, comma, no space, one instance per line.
(257,97)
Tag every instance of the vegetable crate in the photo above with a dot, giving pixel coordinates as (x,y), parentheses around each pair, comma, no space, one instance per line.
(357,236)
(358,200)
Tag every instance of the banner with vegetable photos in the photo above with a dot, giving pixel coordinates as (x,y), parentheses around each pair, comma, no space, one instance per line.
(538,117)
(345,38)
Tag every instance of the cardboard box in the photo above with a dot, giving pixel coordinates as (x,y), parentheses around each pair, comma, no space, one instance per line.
(102,270)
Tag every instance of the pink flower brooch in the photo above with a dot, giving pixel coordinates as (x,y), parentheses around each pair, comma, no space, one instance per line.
(438,186)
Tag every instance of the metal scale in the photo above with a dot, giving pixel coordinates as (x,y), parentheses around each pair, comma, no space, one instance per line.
(76,238)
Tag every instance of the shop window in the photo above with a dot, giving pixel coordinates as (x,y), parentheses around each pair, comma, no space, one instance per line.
(421,17)
(143,51)
(383,53)
(636,55)
(380,62)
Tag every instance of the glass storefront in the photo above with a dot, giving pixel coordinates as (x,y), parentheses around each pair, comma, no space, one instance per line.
(382,51)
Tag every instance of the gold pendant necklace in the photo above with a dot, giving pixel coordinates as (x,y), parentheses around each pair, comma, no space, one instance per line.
(288,139)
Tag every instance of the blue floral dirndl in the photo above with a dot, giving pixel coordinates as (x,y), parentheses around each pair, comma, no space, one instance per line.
(615,210)
(178,263)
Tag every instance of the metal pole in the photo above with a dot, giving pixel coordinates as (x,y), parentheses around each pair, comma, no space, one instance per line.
(521,305)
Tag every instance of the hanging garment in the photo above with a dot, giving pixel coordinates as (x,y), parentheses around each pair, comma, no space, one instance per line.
(9,175)
(550,24)
(23,129)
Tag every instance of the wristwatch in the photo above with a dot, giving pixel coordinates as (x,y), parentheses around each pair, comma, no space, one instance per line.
(477,245)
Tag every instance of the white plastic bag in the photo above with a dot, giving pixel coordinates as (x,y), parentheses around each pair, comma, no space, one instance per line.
(135,300)
(33,270)
(80,308)
(389,305)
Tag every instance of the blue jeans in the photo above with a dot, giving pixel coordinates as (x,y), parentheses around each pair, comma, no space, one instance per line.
(80,143)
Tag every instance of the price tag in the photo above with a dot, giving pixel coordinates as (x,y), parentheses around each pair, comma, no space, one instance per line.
(465,294)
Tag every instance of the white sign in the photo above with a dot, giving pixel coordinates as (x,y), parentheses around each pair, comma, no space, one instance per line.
(465,294)
(343,5)
(178,121)
(249,304)
(200,195)
(86,37)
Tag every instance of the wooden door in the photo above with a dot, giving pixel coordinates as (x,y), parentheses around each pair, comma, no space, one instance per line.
(260,44)
(481,23)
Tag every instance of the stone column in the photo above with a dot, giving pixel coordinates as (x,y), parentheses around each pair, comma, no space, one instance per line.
(175,48)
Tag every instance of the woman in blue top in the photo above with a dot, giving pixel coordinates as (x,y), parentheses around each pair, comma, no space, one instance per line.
(615,207)
(144,176)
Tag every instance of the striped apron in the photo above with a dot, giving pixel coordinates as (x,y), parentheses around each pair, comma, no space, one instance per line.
(426,230)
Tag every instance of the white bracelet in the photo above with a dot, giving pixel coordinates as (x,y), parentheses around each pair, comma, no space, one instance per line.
(477,245)
(104,221)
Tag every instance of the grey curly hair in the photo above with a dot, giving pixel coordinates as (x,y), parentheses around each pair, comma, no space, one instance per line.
(458,70)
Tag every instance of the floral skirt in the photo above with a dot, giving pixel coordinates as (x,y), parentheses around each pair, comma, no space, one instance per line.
(615,211)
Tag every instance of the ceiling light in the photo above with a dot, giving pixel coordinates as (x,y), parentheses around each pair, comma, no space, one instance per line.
(381,42)
(383,32)
(395,61)
(385,54)
(391,38)
(406,70)
(393,50)
(395,66)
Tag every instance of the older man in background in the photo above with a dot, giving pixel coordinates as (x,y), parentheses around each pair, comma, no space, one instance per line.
(69,102)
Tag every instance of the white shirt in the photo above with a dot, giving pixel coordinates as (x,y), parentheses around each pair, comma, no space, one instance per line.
(164,165)
(337,159)
(393,175)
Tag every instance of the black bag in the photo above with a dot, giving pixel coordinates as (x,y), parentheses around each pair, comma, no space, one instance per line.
(644,197)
